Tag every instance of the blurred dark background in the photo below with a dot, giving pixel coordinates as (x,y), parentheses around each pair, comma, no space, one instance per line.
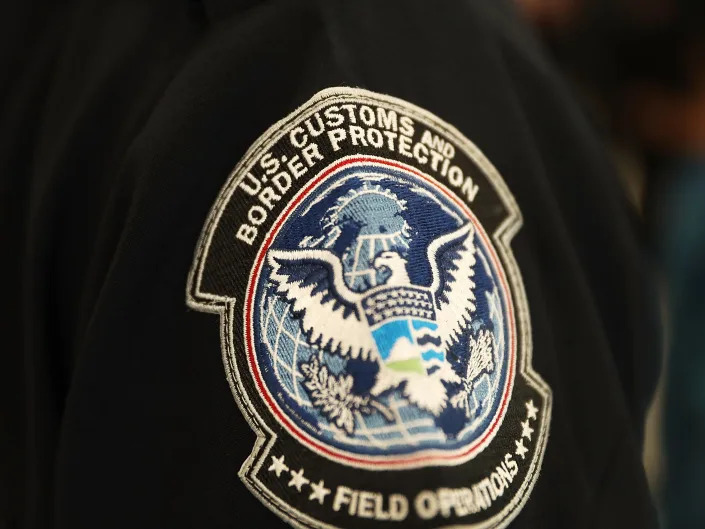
(638,68)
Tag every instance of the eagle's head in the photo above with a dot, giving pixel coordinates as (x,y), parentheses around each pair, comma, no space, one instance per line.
(395,263)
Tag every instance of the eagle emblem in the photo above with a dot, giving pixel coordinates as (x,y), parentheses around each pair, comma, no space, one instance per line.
(407,329)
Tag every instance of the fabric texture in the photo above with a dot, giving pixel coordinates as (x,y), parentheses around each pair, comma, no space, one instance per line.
(120,123)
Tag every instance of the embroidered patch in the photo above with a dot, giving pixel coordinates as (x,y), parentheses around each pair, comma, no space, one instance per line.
(375,329)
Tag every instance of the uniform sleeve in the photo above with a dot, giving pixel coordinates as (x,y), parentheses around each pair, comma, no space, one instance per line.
(371,269)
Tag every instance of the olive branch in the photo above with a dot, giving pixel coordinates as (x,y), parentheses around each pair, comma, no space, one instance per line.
(333,396)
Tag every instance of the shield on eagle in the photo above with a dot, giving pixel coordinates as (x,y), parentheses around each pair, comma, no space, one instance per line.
(402,322)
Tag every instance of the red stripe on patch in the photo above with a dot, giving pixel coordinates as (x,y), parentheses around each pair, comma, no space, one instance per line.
(254,367)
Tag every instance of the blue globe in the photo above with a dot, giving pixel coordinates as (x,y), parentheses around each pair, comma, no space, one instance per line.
(357,215)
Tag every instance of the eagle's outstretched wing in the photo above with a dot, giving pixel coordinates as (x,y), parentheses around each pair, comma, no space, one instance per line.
(312,282)
(452,258)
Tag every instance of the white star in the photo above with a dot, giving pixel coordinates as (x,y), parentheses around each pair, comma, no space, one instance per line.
(319,492)
(298,479)
(531,410)
(521,449)
(526,430)
(277,466)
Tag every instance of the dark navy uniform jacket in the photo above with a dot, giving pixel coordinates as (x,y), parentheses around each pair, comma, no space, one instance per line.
(120,124)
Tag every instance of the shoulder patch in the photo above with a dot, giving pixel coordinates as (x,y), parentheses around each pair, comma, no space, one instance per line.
(375,329)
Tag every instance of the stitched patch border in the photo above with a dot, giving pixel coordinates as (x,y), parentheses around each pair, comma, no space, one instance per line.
(284,444)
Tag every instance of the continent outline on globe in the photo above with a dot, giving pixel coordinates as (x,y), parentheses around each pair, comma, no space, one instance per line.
(299,165)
